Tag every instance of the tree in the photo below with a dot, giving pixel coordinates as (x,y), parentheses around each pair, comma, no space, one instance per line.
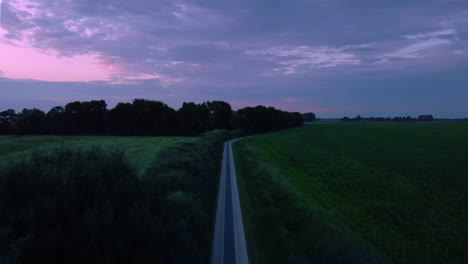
(262,119)
(85,117)
(146,117)
(55,120)
(193,118)
(220,114)
(122,119)
(7,119)
(426,118)
(153,117)
(31,121)
(309,117)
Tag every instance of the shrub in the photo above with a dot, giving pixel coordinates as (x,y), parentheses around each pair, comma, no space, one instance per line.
(71,207)
(183,182)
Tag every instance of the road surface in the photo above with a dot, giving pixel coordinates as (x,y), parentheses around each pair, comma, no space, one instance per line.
(229,245)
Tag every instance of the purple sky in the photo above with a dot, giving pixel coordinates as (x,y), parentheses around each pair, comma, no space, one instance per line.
(331,57)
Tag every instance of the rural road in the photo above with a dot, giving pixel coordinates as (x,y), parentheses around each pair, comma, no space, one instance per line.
(228,240)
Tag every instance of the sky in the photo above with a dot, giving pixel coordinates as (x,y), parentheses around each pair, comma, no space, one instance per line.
(330,57)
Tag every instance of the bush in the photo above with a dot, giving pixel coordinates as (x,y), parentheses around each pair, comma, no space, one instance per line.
(183,182)
(71,207)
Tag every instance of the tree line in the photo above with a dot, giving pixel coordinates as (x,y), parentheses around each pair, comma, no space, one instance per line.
(421,118)
(144,117)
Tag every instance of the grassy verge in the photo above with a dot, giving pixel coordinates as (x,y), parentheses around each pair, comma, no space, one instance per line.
(399,187)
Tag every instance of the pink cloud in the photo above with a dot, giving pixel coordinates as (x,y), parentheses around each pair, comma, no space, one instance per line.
(27,63)
(109,65)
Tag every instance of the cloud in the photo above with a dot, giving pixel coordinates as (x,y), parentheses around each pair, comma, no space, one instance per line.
(203,49)
(434,34)
(300,59)
(416,50)
(165,81)
(25,63)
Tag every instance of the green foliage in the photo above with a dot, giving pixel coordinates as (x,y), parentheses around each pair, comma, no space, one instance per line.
(91,206)
(183,181)
(282,227)
(140,151)
(399,186)
(70,206)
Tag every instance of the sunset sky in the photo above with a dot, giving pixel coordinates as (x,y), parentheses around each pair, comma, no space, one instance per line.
(331,57)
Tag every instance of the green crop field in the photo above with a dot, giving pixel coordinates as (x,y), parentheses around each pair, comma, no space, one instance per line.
(141,151)
(375,191)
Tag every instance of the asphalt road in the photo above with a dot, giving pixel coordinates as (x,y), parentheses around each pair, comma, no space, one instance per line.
(229,245)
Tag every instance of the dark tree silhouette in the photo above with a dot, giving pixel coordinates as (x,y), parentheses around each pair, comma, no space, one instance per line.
(193,118)
(31,121)
(426,118)
(55,120)
(262,119)
(86,117)
(309,117)
(7,121)
(152,117)
(220,114)
(146,117)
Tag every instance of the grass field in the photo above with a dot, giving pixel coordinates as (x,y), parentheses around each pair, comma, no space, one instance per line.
(141,151)
(400,189)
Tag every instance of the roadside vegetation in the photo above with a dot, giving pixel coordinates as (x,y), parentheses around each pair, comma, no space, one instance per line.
(92,195)
(139,151)
(90,205)
(362,192)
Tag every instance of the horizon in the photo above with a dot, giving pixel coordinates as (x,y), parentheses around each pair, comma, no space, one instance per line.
(109,107)
(332,58)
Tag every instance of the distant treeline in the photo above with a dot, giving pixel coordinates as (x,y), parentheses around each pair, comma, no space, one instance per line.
(421,118)
(144,117)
